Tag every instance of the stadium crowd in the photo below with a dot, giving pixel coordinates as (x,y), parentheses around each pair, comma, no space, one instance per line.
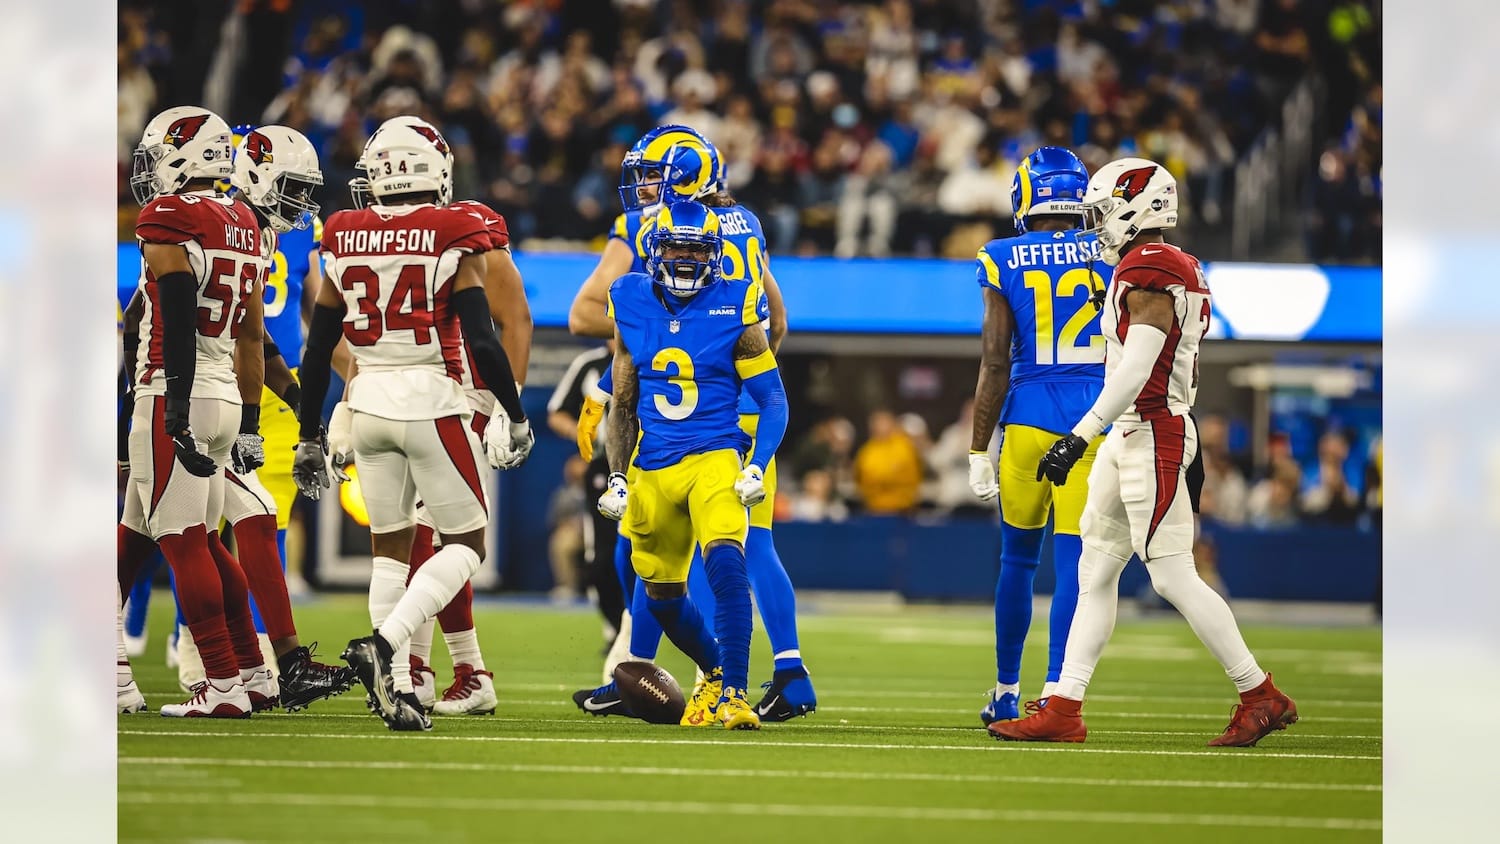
(853,128)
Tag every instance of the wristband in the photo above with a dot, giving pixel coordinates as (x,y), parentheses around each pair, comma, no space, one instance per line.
(250,419)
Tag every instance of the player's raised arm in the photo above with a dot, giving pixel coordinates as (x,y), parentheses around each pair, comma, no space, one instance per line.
(587,317)
(508,307)
(250,371)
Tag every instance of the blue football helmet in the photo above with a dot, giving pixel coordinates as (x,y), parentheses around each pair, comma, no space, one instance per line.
(1051,180)
(685,225)
(669,164)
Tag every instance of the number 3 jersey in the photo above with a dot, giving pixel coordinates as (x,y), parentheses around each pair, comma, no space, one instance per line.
(1173,384)
(1057,351)
(394,266)
(684,360)
(224,249)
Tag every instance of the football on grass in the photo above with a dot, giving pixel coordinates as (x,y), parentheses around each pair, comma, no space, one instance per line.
(650,692)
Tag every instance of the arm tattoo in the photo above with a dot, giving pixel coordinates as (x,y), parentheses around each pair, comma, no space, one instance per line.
(751,343)
(994,370)
(623,422)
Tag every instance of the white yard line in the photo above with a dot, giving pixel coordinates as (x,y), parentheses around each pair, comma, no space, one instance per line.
(980,747)
(857,776)
(667,808)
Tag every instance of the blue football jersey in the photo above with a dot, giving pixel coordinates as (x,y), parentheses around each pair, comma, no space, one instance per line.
(745,254)
(284,289)
(1057,352)
(684,357)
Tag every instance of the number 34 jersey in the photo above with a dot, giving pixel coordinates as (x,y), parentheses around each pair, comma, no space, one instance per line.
(1057,350)
(394,267)
(684,360)
(224,249)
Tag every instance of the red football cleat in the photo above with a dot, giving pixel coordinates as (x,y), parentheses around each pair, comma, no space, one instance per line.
(1260,712)
(1059,720)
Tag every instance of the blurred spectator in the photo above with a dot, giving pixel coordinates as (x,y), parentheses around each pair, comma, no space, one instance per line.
(1272,503)
(867,202)
(978,188)
(817,500)
(888,468)
(565,517)
(949,461)
(1329,497)
(1225,493)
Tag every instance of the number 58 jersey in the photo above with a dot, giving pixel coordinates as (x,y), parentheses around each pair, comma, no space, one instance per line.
(1057,350)
(394,266)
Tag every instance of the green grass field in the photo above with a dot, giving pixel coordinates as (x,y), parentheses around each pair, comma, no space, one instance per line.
(894,753)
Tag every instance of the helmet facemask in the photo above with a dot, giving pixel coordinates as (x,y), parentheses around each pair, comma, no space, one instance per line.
(145,185)
(1109,219)
(683,275)
(290,201)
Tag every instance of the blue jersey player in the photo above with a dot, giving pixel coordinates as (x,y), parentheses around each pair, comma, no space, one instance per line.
(688,340)
(1042,368)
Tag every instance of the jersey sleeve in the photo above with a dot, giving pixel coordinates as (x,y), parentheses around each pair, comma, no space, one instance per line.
(465,231)
(757,307)
(326,231)
(166,219)
(986,271)
(621,231)
(317,232)
(1160,269)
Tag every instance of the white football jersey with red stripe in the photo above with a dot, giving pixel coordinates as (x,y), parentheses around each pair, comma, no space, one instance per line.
(480,398)
(395,266)
(1173,384)
(224,249)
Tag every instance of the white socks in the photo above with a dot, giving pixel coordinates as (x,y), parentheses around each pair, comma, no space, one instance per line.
(463,647)
(431,588)
(387,587)
(421,641)
(1007,689)
(123,675)
(1048,689)
(1176,579)
(1093,620)
(620,650)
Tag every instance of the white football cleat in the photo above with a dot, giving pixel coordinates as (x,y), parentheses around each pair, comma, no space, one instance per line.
(128,698)
(261,688)
(212,699)
(472,693)
(423,683)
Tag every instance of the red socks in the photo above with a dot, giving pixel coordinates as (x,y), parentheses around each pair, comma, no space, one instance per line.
(201,594)
(237,618)
(255,540)
(132,549)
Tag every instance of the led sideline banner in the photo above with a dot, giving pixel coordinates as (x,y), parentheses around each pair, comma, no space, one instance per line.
(1285,302)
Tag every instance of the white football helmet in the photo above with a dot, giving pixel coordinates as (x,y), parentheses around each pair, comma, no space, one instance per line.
(181,143)
(276,169)
(1126,197)
(405,155)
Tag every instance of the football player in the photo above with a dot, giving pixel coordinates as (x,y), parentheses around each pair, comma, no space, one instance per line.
(1156,312)
(202,332)
(668,165)
(404,284)
(699,340)
(1043,362)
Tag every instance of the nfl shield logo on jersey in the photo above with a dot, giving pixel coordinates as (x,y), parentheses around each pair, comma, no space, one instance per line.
(674,326)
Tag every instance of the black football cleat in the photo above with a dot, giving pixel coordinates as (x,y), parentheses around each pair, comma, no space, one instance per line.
(602,701)
(372,664)
(789,695)
(306,681)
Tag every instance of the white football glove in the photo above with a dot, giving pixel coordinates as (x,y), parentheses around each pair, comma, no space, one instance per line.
(982,479)
(507,443)
(750,486)
(612,502)
(340,441)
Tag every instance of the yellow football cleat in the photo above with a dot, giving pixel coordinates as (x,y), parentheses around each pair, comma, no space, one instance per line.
(736,713)
(704,704)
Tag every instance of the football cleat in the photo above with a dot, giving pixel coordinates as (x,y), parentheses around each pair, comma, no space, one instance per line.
(1002,707)
(788,695)
(308,681)
(472,693)
(408,717)
(602,701)
(423,683)
(703,706)
(1061,719)
(1260,712)
(128,698)
(734,711)
(373,667)
(260,686)
(209,700)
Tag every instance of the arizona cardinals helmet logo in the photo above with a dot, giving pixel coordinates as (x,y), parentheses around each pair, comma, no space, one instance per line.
(1132,182)
(431,134)
(258,147)
(185,129)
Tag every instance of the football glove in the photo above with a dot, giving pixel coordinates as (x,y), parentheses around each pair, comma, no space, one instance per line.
(247,454)
(340,441)
(176,423)
(1059,459)
(588,426)
(982,479)
(507,443)
(750,486)
(612,502)
(310,468)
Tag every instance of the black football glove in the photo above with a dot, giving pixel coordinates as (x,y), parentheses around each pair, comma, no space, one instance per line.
(310,467)
(176,423)
(1059,459)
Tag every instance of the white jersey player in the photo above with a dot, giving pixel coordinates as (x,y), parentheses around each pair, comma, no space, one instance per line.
(1156,312)
(404,285)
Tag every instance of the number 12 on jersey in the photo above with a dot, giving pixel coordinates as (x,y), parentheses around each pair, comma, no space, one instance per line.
(1066,342)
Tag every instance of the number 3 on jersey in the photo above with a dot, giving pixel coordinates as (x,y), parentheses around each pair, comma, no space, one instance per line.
(666,360)
(1068,349)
